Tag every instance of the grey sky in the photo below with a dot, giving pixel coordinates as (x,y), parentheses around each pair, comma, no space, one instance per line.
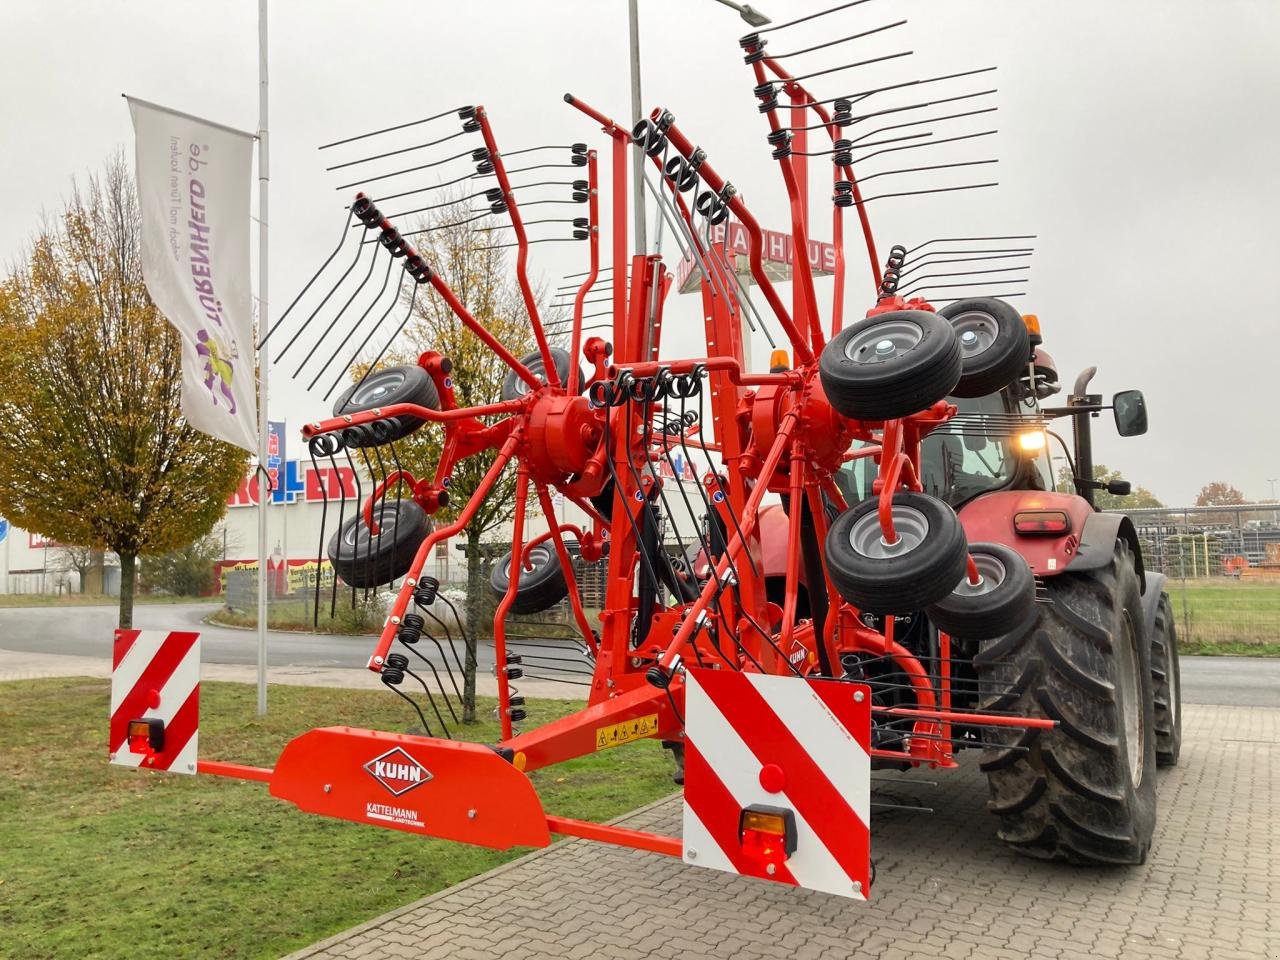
(1140,141)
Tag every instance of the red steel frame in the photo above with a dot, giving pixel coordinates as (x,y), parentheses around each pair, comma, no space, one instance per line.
(775,432)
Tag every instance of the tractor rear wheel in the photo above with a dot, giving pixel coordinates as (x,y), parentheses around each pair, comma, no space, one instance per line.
(1084,791)
(1167,680)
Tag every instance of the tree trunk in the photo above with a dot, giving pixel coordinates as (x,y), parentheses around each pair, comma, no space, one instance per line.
(128,577)
(474,608)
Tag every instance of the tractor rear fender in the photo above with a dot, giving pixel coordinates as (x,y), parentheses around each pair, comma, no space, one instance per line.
(1088,543)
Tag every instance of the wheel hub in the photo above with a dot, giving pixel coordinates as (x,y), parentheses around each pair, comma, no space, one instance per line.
(883,341)
(911,526)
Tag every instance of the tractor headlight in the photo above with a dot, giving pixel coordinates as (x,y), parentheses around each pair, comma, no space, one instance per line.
(1031,441)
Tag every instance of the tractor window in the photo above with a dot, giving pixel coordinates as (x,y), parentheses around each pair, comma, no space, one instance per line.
(959,463)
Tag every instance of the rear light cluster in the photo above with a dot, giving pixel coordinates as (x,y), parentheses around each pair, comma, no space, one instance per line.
(1042,523)
(767,835)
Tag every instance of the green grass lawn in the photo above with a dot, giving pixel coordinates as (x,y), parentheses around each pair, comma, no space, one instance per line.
(1223,616)
(97,861)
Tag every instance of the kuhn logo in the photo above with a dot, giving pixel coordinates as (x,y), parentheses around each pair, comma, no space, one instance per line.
(397,771)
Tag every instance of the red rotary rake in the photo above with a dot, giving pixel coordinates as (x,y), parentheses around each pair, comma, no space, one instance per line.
(777,695)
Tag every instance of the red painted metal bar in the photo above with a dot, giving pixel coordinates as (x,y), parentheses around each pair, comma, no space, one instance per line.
(378,492)
(593,242)
(755,245)
(513,586)
(492,342)
(825,118)
(389,629)
(621,137)
(801,272)
(619,836)
(795,512)
(522,250)
(238,771)
(556,536)
(409,410)
(972,719)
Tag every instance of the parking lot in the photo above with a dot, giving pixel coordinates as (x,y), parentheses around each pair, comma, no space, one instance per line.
(945,886)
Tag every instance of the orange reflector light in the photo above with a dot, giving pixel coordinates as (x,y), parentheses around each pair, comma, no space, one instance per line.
(146,736)
(779,361)
(1042,522)
(1033,323)
(767,835)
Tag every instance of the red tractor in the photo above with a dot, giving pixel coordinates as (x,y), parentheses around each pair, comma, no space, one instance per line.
(918,588)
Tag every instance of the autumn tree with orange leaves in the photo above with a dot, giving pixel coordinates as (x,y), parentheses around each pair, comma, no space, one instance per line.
(94,449)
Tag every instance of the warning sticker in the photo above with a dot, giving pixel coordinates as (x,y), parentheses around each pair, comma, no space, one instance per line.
(615,735)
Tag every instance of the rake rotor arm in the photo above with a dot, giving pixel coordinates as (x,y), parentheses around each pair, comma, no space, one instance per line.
(755,246)
(522,255)
(335,424)
(593,241)
(556,536)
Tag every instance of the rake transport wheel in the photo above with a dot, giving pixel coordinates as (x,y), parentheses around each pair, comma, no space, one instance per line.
(382,388)
(366,559)
(1166,678)
(995,346)
(1085,791)
(542,584)
(1002,601)
(890,365)
(513,388)
(920,568)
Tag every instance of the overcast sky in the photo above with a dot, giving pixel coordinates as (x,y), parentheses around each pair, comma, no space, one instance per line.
(1139,141)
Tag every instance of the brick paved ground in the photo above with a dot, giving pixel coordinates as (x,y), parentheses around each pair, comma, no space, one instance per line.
(945,886)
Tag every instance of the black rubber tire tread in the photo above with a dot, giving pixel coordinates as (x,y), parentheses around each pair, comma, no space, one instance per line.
(417,387)
(362,559)
(1068,794)
(904,583)
(1007,609)
(899,386)
(1002,362)
(1167,696)
(513,387)
(539,589)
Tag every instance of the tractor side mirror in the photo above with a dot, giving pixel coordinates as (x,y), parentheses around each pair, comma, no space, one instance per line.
(1130,409)
(1119,488)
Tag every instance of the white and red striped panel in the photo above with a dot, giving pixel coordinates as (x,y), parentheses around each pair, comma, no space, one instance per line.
(783,742)
(155,674)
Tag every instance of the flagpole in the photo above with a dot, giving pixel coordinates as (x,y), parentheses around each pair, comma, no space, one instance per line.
(263,491)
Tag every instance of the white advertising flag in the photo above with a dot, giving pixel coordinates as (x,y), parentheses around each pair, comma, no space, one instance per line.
(193,189)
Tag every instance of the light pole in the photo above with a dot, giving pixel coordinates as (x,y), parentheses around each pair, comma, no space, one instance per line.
(748,13)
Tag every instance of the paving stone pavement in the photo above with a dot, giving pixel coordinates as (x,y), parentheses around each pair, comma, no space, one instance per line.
(945,887)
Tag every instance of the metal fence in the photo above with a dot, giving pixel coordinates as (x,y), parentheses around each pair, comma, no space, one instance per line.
(1223,565)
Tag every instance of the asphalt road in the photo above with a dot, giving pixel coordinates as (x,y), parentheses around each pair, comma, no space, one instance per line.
(86,632)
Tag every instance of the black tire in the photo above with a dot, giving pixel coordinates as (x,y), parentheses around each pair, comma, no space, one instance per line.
(875,578)
(382,388)
(364,559)
(540,588)
(919,366)
(995,346)
(1084,791)
(513,387)
(1166,681)
(1003,602)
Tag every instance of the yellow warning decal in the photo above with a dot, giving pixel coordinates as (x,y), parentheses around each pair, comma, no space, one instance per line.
(615,735)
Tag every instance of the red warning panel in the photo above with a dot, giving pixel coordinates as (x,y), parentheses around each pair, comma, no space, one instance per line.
(778,779)
(155,700)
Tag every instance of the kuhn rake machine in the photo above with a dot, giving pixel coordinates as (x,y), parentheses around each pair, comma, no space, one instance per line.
(782,650)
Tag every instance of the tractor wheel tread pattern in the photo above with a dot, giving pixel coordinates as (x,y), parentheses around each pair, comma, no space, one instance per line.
(1164,664)
(1065,668)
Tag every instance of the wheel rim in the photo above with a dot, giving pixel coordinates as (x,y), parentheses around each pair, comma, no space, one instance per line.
(1130,705)
(867,539)
(883,341)
(991,573)
(371,392)
(387,515)
(534,558)
(976,330)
